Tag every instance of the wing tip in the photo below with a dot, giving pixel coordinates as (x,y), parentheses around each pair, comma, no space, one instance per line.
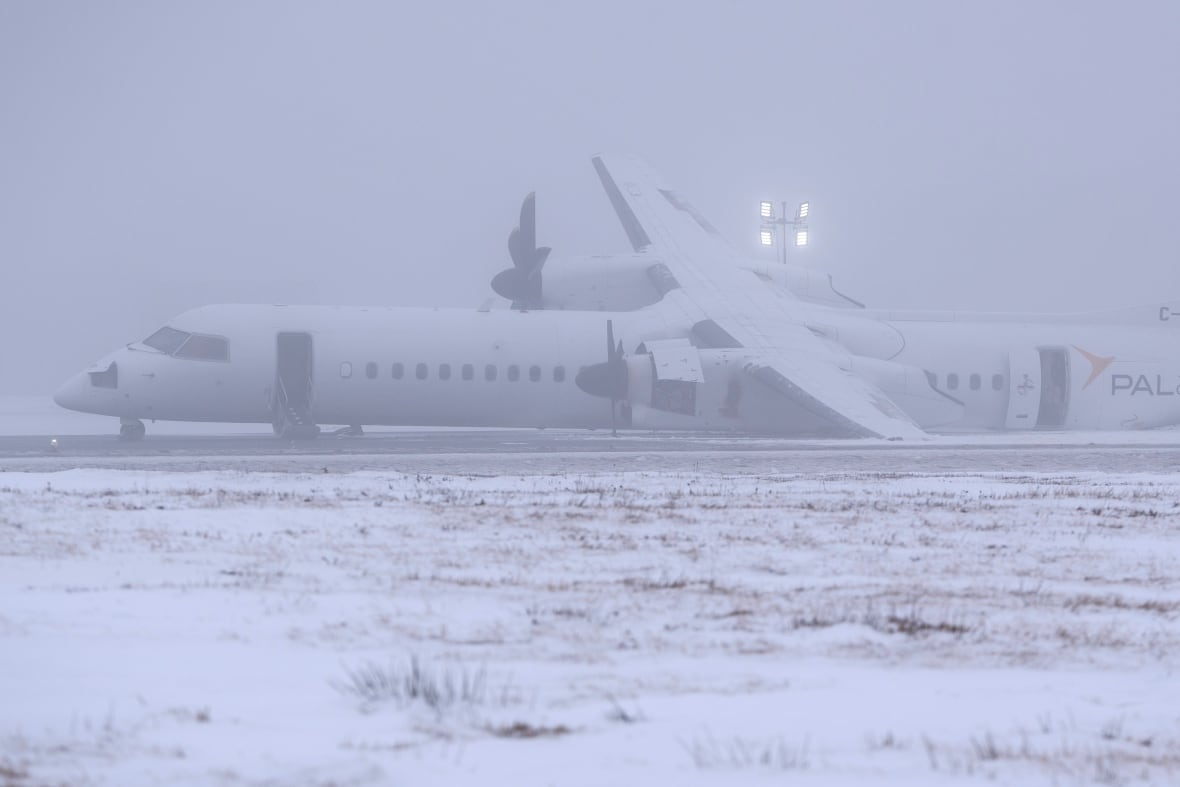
(635,233)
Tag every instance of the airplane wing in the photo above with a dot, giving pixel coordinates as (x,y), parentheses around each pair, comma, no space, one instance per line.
(734,308)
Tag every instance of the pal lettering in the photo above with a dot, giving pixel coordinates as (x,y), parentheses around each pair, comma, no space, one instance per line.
(1142,384)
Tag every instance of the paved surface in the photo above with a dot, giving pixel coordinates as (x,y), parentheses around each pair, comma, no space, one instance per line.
(485,452)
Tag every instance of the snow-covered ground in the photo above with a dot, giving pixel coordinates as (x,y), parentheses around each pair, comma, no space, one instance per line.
(631,628)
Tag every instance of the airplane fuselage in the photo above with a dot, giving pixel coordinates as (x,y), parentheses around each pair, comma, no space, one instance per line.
(457,367)
(371,366)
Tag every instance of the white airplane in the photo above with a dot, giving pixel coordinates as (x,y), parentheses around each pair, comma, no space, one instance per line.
(696,338)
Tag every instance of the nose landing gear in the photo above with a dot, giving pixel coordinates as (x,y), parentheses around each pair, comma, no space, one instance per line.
(131,430)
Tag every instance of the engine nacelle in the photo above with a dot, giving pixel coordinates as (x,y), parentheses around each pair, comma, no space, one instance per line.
(673,385)
(624,282)
(608,283)
(807,285)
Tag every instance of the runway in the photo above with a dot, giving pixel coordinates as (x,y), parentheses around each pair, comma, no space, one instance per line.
(531,451)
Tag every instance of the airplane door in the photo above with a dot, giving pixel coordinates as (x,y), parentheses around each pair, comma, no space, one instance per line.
(1054,387)
(293,398)
(1024,388)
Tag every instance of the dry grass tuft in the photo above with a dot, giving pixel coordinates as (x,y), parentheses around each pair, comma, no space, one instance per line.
(737,753)
(523,730)
(438,690)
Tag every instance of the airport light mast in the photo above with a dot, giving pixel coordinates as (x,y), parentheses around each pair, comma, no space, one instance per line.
(772,223)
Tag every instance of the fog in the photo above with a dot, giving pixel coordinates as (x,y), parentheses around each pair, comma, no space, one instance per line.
(155,157)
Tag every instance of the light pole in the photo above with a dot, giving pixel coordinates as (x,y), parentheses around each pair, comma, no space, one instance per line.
(771,223)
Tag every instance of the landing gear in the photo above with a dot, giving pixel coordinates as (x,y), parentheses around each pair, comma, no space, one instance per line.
(131,430)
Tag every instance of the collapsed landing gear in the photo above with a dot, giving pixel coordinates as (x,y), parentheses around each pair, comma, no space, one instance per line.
(131,430)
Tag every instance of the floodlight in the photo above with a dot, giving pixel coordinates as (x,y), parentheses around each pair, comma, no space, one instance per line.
(766,210)
(804,207)
(767,238)
(801,237)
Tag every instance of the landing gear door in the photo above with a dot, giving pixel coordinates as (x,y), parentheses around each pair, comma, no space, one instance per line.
(1024,388)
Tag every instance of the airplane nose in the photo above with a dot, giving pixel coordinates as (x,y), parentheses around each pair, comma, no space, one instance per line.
(69,395)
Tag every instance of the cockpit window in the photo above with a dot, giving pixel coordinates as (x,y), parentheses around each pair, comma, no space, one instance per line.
(205,348)
(182,344)
(107,378)
(166,340)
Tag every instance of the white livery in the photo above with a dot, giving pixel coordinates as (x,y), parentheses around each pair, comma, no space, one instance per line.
(681,334)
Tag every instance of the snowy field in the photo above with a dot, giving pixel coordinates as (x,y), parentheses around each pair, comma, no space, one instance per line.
(632,628)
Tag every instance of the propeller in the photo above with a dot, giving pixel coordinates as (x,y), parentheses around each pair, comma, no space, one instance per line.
(609,379)
(522,282)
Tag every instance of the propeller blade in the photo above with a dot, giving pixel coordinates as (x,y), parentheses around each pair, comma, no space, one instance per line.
(607,379)
(518,254)
(528,222)
(539,257)
(521,283)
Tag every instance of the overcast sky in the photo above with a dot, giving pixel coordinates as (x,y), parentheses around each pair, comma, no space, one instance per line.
(157,156)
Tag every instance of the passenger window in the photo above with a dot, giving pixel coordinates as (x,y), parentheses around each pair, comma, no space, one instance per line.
(559,374)
(489,372)
(975,382)
(205,348)
(346,370)
(535,374)
(420,371)
(399,371)
(513,373)
(952,381)
(166,340)
(468,371)
(444,371)
(997,382)
(371,370)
